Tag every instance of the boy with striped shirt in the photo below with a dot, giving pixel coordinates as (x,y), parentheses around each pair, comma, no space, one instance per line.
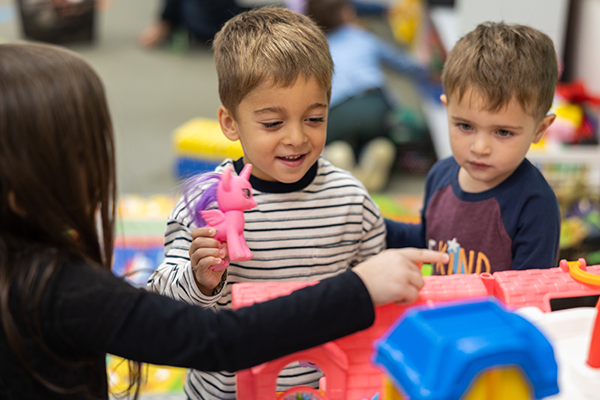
(312,220)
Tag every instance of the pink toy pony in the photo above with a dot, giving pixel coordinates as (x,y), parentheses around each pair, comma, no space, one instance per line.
(233,195)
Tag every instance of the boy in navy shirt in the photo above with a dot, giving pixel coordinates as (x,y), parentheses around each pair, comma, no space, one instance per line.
(487,205)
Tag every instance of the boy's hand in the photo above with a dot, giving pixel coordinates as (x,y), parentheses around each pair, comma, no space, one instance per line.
(204,253)
(394,275)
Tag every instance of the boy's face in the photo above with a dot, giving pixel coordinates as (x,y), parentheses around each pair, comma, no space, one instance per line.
(282,129)
(489,146)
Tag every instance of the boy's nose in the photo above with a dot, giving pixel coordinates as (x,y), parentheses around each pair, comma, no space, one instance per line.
(294,136)
(480,144)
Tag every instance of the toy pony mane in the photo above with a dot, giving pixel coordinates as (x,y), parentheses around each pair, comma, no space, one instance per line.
(196,203)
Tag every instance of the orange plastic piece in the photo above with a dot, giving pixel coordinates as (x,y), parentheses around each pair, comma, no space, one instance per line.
(594,353)
(577,269)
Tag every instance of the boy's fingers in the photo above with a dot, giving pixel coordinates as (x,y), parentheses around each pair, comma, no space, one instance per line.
(410,295)
(420,256)
(204,231)
(204,242)
(201,255)
(416,280)
(210,261)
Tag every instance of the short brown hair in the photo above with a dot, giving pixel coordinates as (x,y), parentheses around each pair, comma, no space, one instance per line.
(501,62)
(269,44)
(327,13)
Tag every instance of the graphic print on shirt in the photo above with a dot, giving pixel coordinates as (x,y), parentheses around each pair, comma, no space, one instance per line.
(459,262)
(471,232)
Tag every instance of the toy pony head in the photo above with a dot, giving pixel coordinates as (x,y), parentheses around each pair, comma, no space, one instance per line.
(235,192)
(231,192)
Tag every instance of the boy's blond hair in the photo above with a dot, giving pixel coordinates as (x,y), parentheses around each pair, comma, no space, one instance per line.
(269,44)
(500,62)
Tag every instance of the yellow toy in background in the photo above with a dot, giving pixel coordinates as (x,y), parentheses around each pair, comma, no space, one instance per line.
(200,146)
(500,384)
(494,384)
(159,380)
(404,17)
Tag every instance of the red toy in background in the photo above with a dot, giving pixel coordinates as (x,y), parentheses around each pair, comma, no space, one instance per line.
(576,115)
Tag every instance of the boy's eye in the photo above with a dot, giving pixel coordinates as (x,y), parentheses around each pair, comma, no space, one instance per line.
(316,120)
(271,124)
(503,133)
(465,127)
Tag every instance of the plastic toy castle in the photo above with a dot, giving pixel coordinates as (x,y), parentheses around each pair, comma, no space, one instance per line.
(510,335)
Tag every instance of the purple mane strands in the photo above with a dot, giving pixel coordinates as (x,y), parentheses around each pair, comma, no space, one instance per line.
(195,203)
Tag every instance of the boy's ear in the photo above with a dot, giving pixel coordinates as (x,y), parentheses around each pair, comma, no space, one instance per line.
(444,100)
(543,127)
(228,124)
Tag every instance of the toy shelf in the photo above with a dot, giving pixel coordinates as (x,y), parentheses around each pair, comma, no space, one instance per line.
(567,165)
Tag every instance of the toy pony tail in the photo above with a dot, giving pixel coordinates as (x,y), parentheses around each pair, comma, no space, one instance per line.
(195,201)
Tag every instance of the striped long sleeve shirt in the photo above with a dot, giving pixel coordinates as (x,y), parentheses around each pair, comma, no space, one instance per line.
(313,229)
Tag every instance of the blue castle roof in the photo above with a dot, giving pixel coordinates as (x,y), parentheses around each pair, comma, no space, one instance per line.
(434,353)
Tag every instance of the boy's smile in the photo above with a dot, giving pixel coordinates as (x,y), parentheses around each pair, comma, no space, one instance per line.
(282,129)
(489,145)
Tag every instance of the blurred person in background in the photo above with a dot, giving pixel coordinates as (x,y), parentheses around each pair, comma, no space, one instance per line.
(357,127)
(202,19)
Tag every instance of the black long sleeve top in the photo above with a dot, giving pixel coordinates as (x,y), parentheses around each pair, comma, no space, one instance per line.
(87,312)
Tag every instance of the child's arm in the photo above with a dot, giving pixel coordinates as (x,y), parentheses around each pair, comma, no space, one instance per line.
(400,234)
(146,327)
(175,276)
(536,242)
(373,239)
(234,340)
(401,62)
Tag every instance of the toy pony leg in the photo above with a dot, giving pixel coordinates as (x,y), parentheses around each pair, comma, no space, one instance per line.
(244,247)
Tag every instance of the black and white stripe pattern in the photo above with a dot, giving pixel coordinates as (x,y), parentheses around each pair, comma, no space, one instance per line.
(310,234)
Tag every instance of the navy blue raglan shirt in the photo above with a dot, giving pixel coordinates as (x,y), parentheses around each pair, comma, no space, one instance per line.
(515,225)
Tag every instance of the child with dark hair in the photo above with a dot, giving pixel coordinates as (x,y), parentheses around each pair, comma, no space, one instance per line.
(61,308)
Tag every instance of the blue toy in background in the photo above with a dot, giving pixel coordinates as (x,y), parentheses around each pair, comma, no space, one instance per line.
(139,239)
(136,259)
(435,353)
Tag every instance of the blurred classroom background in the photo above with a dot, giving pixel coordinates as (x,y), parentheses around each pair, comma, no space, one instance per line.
(157,93)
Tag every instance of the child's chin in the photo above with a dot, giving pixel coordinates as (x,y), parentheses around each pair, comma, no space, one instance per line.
(291,177)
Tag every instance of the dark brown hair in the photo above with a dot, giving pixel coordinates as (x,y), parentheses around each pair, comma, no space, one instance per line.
(500,62)
(269,44)
(57,168)
(328,14)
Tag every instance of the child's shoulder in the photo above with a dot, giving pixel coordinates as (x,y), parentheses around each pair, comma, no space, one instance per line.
(445,164)
(528,179)
(532,173)
(329,175)
(351,34)
(527,194)
(443,170)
